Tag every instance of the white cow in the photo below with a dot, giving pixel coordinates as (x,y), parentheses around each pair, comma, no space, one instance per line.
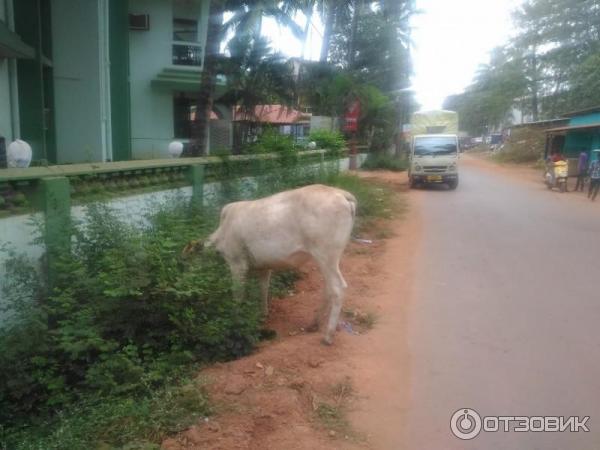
(285,230)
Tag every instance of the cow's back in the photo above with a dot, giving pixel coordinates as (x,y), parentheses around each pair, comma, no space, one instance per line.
(286,227)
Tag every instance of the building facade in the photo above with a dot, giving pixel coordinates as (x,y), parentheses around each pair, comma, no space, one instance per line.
(102,80)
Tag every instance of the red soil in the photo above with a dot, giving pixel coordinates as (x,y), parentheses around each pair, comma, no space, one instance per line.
(275,398)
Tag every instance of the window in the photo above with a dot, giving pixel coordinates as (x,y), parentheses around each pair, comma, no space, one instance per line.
(186,50)
(184,113)
(185,30)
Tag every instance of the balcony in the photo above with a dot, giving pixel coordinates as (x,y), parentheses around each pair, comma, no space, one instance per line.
(187,54)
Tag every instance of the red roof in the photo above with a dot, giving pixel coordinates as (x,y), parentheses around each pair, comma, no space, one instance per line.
(274,114)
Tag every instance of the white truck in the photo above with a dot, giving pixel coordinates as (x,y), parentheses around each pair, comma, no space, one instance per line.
(434,149)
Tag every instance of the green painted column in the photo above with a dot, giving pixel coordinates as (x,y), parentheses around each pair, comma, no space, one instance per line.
(119,79)
(196,179)
(56,205)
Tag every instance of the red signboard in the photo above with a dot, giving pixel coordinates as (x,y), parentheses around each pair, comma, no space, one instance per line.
(352,116)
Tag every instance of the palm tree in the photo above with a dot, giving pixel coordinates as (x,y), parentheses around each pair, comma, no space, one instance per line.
(215,33)
(247,19)
(256,76)
(248,16)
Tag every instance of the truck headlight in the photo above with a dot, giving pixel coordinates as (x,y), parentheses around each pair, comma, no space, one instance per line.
(452,167)
(418,168)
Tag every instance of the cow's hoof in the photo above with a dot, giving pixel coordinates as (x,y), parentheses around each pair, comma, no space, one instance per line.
(313,327)
(327,341)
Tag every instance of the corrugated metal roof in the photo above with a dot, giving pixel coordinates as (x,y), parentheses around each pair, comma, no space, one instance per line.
(275,114)
(574,128)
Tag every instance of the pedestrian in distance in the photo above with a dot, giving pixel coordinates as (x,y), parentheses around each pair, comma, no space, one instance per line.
(594,176)
(582,169)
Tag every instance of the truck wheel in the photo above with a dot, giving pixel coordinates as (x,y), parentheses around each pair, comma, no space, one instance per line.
(453,184)
(411,183)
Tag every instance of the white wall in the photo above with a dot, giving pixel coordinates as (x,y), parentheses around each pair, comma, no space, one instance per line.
(77,80)
(150,52)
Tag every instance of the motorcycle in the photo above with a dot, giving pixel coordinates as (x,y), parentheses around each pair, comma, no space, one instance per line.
(556,175)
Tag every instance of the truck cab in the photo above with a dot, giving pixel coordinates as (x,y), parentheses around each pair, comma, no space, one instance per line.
(434,159)
(434,148)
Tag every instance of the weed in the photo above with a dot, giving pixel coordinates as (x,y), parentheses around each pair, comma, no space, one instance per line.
(384,161)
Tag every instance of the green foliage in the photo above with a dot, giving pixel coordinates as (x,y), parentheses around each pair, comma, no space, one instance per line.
(123,422)
(100,357)
(384,161)
(375,201)
(283,282)
(549,68)
(333,141)
(126,309)
(373,43)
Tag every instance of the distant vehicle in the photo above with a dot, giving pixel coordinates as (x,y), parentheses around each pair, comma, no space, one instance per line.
(434,148)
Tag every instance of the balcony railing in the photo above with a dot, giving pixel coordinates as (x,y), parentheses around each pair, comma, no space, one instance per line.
(187,54)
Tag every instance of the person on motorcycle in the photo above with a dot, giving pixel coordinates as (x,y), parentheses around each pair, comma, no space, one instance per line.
(557,156)
(594,176)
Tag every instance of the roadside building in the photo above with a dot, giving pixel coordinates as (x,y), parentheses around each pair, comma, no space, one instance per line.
(284,119)
(102,80)
(580,134)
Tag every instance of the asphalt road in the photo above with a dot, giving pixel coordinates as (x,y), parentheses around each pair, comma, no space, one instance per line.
(506,316)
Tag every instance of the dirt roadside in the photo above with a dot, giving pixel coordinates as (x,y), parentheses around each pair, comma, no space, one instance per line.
(295,393)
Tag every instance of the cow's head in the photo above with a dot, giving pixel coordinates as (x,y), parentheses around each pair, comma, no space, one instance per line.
(193,247)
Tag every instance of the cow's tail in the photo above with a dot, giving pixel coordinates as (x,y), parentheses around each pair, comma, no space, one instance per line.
(352,202)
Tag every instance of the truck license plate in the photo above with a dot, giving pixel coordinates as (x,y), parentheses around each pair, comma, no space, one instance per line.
(434,178)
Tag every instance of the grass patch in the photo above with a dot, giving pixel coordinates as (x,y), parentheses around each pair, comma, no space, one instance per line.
(332,414)
(129,422)
(375,200)
(383,161)
(364,320)
(283,282)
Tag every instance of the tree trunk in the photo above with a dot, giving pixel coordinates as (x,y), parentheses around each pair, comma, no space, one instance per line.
(306,32)
(199,143)
(330,16)
(358,5)
(534,86)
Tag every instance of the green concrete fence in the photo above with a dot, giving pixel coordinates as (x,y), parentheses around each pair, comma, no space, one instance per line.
(53,190)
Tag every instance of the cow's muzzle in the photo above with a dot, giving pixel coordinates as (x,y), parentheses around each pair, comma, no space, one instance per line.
(193,247)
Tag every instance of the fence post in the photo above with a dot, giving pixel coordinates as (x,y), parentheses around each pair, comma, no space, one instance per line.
(322,166)
(56,205)
(196,179)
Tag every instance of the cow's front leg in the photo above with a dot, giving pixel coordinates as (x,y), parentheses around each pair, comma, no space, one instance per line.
(239,272)
(264,279)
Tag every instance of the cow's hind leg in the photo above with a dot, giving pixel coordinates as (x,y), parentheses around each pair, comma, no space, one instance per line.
(335,286)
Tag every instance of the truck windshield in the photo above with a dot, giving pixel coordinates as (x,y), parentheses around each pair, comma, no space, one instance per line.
(435,146)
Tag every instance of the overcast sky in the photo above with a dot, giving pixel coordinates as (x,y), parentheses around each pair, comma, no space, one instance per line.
(451,39)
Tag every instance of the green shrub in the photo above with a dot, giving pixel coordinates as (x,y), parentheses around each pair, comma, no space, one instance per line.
(383,161)
(124,302)
(123,422)
(333,141)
